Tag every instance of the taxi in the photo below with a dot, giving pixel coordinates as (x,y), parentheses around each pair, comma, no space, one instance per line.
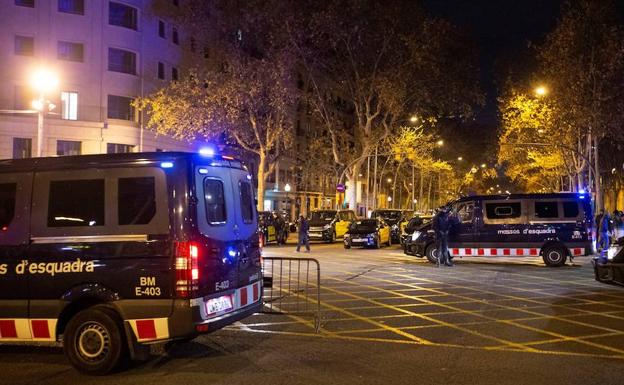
(368,233)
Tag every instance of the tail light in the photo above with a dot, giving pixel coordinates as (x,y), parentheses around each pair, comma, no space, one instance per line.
(187,268)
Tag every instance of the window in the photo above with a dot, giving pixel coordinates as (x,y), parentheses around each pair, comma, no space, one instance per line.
(174,36)
(70,51)
(570,209)
(120,107)
(76,203)
(546,210)
(71,6)
(161,70)
(22,148)
(161,29)
(247,202)
(69,105)
(122,15)
(116,148)
(465,212)
(503,210)
(68,147)
(137,200)
(174,73)
(25,3)
(215,201)
(8,192)
(120,60)
(24,45)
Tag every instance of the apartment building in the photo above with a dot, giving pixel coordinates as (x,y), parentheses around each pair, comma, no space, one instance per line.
(104,53)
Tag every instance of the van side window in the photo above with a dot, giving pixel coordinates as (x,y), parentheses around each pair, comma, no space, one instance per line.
(76,203)
(215,201)
(503,210)
(546,209)
(465,212)
(7,204)
(247,202)
(570,209)
(137,200)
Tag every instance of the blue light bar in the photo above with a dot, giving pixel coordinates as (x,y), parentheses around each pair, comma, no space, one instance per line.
(207,152)
(248,176)
(581,192)
(166,164)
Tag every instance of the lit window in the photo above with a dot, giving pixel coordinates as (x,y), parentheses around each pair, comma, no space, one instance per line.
(120,107)
(69,105)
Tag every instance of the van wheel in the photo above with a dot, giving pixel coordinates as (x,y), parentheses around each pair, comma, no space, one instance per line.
(432,254)
(554,256)
(94,341)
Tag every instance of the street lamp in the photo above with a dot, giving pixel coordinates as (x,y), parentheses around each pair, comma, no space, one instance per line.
(414,119)
(287,189)
(541,91)
(42,81)
(483,165)
(459,158)
(440,143)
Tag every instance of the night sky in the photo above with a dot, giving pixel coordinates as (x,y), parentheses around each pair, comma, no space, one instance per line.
(502,29)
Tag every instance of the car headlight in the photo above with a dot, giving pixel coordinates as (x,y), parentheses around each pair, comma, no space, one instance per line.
(416,235)
(327,227)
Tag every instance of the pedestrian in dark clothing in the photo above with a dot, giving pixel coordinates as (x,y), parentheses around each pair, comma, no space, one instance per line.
(603,229)
(279,229)
(442,223)
(303,238)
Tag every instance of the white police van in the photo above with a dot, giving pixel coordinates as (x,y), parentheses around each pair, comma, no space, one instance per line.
(554,227)
(109,253)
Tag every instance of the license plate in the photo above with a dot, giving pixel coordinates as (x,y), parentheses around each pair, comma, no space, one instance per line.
(220,304)
(360,240)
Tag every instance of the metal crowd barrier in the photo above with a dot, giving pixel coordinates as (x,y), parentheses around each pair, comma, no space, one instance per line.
(292,286)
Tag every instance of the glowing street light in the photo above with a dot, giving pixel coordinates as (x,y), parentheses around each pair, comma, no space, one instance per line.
(414,119)
(483,165)
(459,158)
(541,91)
(389,199)
(42,81)
(287,187)
(440,143)
(389,180)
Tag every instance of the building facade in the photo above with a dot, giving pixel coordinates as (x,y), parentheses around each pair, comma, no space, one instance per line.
(105,54)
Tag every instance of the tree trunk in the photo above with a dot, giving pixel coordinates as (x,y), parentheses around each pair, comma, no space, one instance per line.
(261,181)
(597,181)
(420,194)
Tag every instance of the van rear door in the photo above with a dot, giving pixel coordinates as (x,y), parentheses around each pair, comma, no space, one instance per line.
(247,248)
(216,218)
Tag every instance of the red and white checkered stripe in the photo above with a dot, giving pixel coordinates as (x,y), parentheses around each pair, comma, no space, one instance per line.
(150,329)
(24,329)
(247,295)
(505,252)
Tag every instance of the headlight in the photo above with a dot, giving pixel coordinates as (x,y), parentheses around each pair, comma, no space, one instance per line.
(415,235)
(326,227)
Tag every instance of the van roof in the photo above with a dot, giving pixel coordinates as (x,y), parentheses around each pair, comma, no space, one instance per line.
(107,160)
(522,196)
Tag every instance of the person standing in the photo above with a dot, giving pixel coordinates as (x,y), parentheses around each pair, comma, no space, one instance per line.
(279,229)
(303,234)
(441,226)
(603,229)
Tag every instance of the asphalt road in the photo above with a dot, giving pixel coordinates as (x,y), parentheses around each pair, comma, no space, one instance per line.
(387,318)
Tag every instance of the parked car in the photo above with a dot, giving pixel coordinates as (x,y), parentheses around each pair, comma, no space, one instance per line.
(327,225)
(396,219)
(368,233)
(266,227)
(552,226)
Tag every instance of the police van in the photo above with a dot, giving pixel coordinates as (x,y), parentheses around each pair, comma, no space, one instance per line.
(108,253)
(551,226)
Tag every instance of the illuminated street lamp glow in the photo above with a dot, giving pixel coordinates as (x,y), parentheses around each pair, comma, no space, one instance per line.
(44,80)
(483,165)
(440,143)
(459,158)
(287,187)
(414,119)
(541,91)
(389,199)
(389,180)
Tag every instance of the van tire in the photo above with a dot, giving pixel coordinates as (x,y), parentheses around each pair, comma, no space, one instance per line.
(94,341)
(431,254)
(554,256)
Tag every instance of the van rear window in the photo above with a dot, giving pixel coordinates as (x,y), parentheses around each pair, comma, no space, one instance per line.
(76,203)
(570,209)
(503,210)
(7,203)
(546,210)
(137,200)
(215,201)
(247,202)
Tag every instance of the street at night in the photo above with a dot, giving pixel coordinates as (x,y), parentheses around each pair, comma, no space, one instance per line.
(391,318)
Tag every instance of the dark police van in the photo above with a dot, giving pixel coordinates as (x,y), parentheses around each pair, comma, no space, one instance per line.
(553,226)
(111,252)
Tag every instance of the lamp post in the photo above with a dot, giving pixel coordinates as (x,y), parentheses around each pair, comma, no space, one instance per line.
(287,189)
(42,81)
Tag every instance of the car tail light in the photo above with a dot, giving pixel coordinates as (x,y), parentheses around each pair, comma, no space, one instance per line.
(187,268)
